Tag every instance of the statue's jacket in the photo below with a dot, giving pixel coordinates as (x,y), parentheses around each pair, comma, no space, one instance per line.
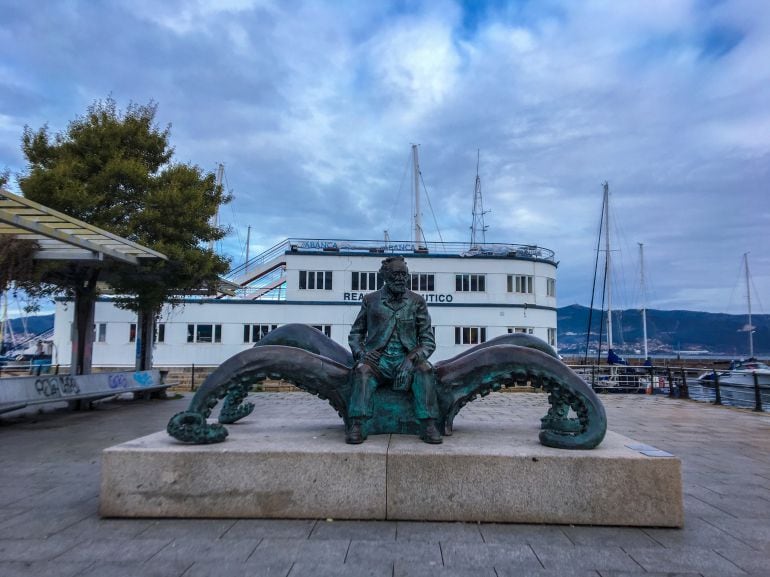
(379,316)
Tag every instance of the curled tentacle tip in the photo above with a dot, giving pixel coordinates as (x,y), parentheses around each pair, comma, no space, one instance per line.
(230,416)
(190,427)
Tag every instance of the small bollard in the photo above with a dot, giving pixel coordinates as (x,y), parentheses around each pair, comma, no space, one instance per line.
(757,393)
(718,397)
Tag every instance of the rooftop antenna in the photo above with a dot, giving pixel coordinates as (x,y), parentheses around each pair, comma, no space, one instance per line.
(478,228)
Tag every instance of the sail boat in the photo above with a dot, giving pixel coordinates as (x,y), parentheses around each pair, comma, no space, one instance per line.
(749,371)
(612,357)
(618,379)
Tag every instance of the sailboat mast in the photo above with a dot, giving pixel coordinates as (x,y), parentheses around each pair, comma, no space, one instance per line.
(748,300)
(417,225)
(218,187)
(248,242)
(608,261)
(644,299)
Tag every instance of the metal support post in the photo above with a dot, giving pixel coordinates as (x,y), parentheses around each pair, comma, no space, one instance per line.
(718,398)
(684,392)
(757,393)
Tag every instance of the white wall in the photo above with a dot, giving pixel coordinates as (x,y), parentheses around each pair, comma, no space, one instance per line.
(495,308)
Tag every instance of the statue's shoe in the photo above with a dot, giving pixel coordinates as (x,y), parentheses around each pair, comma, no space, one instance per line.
(430,434)
(354,436)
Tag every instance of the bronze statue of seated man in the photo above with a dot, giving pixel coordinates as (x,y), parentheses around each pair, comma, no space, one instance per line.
(391,340)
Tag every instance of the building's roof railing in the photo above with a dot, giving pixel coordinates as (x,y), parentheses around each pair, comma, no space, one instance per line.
(459,249)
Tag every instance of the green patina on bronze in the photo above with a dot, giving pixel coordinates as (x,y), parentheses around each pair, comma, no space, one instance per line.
(387,385)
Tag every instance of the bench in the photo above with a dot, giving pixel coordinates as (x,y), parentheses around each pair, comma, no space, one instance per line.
(19,392)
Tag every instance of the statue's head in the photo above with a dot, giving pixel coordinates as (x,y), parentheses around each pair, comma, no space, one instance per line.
(395,273)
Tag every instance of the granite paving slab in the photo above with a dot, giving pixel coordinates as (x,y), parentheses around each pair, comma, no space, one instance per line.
(55,455)
(44,569)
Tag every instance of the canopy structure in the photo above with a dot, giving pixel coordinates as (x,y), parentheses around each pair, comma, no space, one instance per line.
(62,237)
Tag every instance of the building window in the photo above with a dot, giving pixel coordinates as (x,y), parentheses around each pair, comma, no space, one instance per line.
(205,333)
(365,281)
(255,333)
(520,283)
(550,287)
(101,332)
(315,280)
(522,330)
(422,282)
(552,337)
(470,335)
(325,329)
(160,333)
(470,282)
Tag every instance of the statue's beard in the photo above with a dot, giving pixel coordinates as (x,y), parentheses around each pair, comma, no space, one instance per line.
(396,290)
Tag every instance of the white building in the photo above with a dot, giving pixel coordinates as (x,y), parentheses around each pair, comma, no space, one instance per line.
(473,295)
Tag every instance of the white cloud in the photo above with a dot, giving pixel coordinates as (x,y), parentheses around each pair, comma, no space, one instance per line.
(415,65)
(191,16)
(312,106)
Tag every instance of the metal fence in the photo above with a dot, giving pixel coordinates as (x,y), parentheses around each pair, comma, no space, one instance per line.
(679,382)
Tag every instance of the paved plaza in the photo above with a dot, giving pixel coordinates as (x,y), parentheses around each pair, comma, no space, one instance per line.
(49,475)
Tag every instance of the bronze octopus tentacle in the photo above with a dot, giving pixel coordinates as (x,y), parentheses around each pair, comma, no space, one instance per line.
(305,357)
(489,368)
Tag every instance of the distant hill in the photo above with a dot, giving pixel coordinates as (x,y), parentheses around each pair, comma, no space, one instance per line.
(667,331)
(35,324)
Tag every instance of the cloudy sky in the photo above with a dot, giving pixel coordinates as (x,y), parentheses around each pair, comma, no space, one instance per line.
(312,108)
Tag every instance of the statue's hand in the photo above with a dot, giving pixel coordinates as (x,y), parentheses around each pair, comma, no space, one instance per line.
(404,375)
(416,355)
(372,358)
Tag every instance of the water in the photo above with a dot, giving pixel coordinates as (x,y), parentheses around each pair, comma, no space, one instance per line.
(733,396)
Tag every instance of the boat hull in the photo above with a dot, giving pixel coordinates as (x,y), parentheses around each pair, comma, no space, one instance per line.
(744,378)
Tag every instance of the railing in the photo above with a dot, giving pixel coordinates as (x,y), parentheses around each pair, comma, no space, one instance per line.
(637,379)
(679,382)
(262,258)
(752,395)
(28,367)
(519,251)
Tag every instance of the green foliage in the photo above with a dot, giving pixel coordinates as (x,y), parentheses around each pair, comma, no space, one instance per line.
(15,260)
(114,169)
(101,168)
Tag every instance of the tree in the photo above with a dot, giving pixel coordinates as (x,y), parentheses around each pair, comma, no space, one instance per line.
(114,169)
(170,223)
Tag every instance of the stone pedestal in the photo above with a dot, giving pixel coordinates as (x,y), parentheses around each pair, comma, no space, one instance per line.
(486,472)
